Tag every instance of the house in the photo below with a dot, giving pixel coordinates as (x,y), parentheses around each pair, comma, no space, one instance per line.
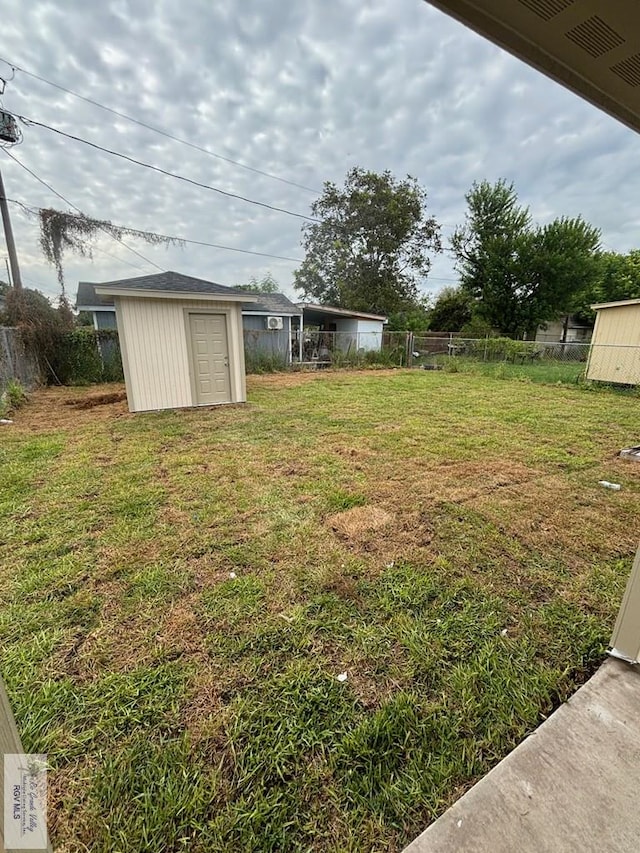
(102,308)
(180,337)
(339,329)
(270,321)
(615,346)
(271,327)
(565,330)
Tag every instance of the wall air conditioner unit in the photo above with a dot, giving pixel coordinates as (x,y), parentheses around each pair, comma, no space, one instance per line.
(274,323)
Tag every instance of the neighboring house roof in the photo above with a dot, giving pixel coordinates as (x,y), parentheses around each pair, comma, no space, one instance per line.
(615,304)
(93,295)
(88,300)
(273,303)
(340,312)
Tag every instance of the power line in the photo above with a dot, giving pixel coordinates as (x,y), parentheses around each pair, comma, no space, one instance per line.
(66,201)
(139,232)
(161,171)
(159,130)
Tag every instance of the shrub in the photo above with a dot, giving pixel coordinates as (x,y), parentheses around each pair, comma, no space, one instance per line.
(85,356)
(41,325)
(12,397)
(15,394)
(263,362)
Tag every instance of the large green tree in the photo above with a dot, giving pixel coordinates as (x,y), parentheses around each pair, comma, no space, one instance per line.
(371,245)
(452,310)
(618,279)
(519,274)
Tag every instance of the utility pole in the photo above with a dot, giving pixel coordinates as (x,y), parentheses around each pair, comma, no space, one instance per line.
(8,236)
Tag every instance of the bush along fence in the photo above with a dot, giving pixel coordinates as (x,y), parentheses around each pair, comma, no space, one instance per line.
(84,356)
(430,349)
(560,361)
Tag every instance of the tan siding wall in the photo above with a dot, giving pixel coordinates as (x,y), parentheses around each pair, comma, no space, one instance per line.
(155,352)
(615,354)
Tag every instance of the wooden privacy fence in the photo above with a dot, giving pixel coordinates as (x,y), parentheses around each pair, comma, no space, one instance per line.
(16,361)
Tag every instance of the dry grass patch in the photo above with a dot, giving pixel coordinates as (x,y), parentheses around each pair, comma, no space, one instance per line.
(359,521)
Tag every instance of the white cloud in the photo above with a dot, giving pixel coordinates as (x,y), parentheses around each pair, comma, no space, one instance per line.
(304,90)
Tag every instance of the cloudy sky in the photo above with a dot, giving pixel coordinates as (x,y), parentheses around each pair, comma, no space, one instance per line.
(302,90)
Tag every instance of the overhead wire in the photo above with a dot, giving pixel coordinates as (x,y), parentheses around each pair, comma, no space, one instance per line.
(33,122)
(76,208)
(159,130)
(142,233)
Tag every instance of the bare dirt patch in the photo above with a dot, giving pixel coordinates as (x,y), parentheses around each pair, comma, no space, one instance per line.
(97,400)
(51,409)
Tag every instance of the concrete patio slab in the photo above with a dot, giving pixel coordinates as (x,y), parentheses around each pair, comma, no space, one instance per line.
(573,785)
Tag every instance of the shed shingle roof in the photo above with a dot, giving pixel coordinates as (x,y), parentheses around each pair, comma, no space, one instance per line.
(172,282)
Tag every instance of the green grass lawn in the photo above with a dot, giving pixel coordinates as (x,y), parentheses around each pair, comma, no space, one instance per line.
(181,590)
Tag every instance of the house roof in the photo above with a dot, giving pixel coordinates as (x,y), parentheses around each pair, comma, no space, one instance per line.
(340,312)
(621,304)
(273,303)
(589,46)
(100,294)
(87,298)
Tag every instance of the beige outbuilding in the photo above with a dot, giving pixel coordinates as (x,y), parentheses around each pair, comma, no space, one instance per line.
(615,345)
(181,340)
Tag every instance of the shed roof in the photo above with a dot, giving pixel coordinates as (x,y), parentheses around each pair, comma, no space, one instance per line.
(340,312)
(101,294)
(623,303)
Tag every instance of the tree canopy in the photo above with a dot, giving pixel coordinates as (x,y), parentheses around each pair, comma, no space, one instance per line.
(371,244)
(519,274)
(618,278)
(266,284)
(452,310)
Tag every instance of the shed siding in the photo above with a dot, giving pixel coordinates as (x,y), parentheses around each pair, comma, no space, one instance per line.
(156,357)
(615,351)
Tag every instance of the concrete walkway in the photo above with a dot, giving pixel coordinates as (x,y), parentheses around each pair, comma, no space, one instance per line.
(573,785)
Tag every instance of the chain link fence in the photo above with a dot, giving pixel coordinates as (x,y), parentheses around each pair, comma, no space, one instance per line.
(427,348)
(266,350)
(318,350)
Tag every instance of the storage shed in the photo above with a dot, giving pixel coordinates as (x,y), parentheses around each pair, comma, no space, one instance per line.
(615,345)
(181,340)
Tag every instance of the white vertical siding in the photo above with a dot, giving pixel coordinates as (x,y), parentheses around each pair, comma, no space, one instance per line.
(615,352)
(156,354)
(370,334)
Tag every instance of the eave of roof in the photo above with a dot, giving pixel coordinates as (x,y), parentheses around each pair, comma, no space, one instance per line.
(147,293)
(621,304)
(589,46)
(340,312)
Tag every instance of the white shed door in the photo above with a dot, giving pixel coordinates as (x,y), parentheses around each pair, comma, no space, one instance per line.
(210,358)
